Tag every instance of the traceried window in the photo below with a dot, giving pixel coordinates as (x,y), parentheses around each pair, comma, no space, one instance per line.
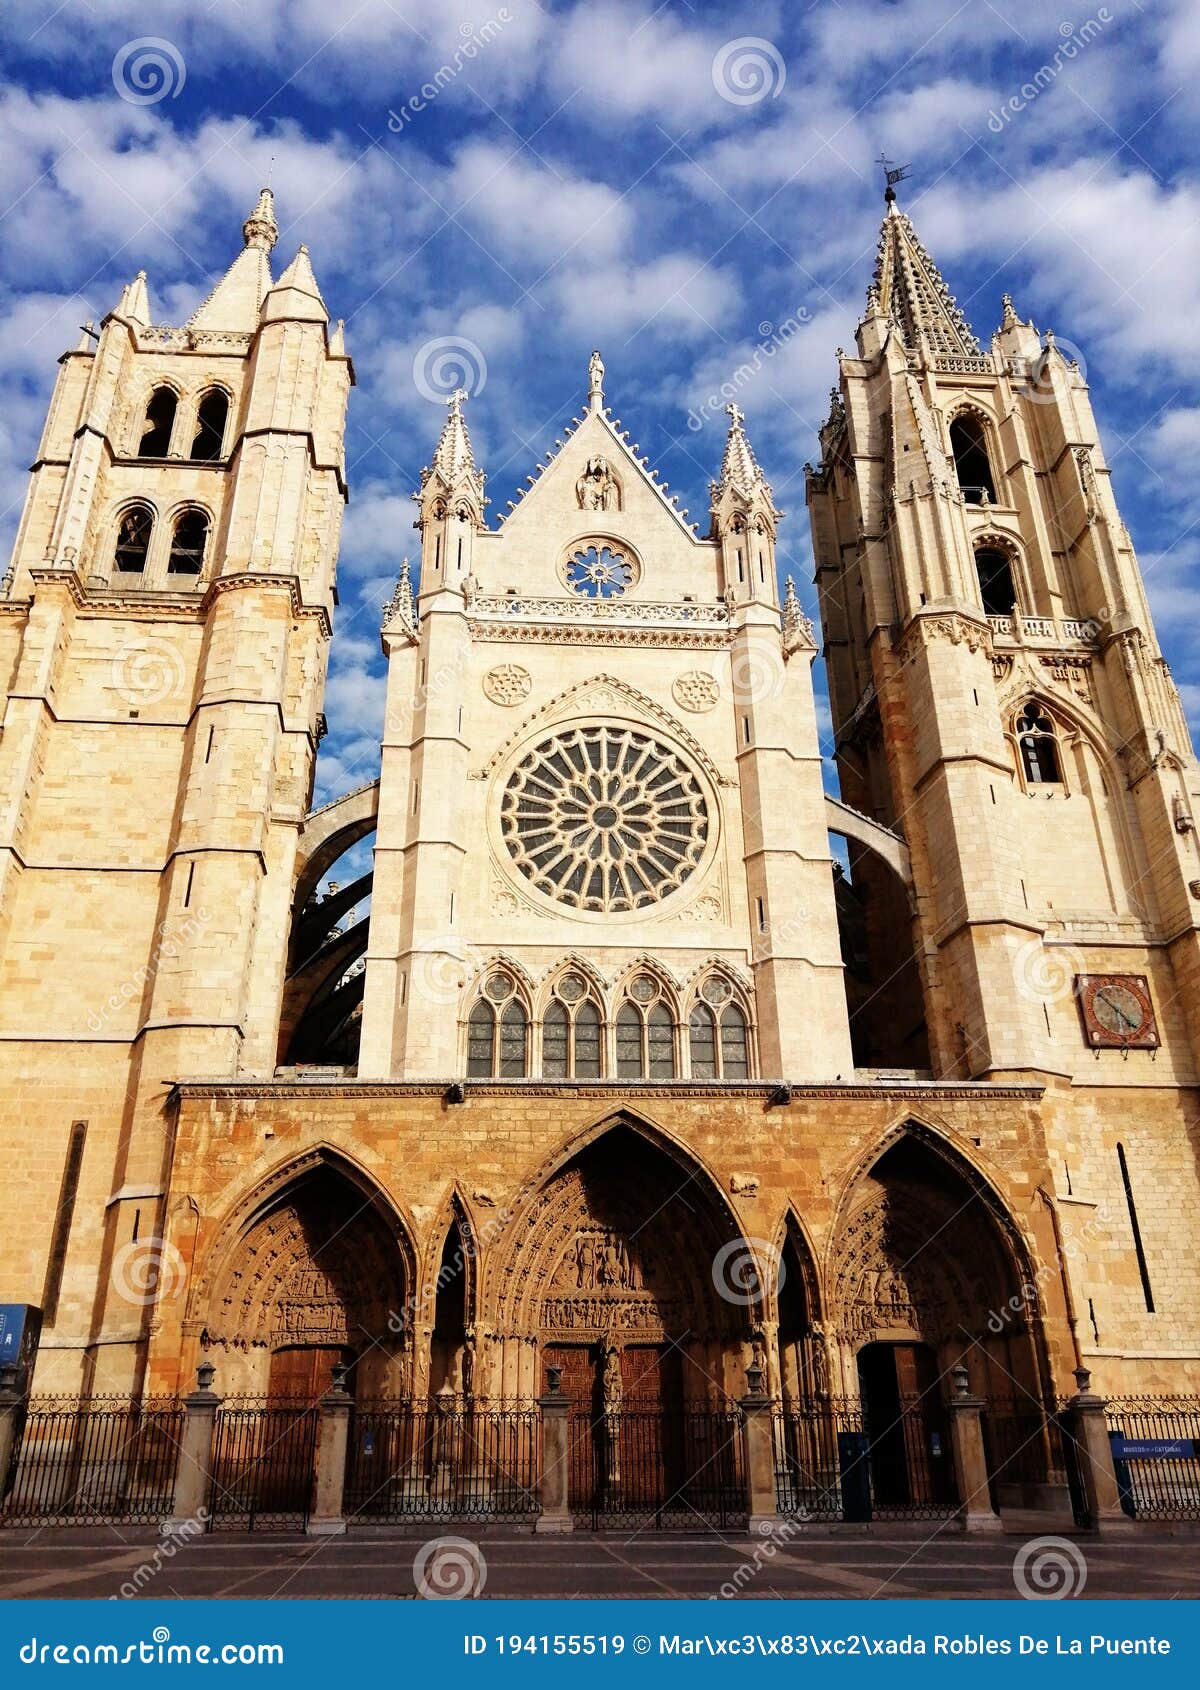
(155,441)
(645,1033)
(968,443)
(571,1032)
(134,529)
(1038,744)
(718,1034)
(187,543)
(497,1032)
(604,818)
(209,439)
(598,571)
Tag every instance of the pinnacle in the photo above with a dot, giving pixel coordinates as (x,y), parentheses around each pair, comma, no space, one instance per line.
(453,456)
(910,288)
(739,466)
(260,228)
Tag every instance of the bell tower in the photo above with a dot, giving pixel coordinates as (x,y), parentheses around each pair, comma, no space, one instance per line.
(165,633)
(999,695)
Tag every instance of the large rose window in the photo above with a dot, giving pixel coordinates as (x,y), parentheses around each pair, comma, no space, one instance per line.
(604,818)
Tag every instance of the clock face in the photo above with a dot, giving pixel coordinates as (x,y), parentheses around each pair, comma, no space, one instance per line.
(1117,1011)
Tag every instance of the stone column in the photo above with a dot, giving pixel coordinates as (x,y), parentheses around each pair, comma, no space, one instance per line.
(10,1405)
(193,1479)
(325,1518)
(970,1459)
(1088,1426)
(758,1452)
(554,1474)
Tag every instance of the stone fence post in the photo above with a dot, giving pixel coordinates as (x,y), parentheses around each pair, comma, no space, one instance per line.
(758,1453)
(970,1458)
(554,1473)
(193,1478)
(326,1518)
(10,1418)
(1088,1426)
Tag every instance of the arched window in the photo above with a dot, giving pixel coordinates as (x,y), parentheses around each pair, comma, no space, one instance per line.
(735,1044)
(514,1040)
(645,1033)
(556,1042)
(211,416)
(660,1043)
(1039,747)
(629,1043)
(133,539)
(160,420)
(702,1039)
(481,1041)
(968,443)
(187,543)
(587,1042)
(994,569)
(571,1032)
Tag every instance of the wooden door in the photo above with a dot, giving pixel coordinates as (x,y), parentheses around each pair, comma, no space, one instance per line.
(579,1368)
(304,1373)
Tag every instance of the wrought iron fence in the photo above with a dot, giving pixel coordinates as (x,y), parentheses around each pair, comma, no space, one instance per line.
(835,1460)
(412,1461)
(94,1461)
(1031,1453)
(263,1464)
(1156,1455)
(650,1466)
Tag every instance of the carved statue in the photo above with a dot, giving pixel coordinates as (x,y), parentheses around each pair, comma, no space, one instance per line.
(612,1380)
(595,381)
(468,1361)
(585,1264)
(596,489)
(820,1363)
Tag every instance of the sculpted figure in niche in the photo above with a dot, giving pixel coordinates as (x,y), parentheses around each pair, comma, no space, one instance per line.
(612,1381)
(596,489)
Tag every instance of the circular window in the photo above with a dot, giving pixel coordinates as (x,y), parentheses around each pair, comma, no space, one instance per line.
(597,570)
(498,987)
(643,989)
(604,818)
(571,988)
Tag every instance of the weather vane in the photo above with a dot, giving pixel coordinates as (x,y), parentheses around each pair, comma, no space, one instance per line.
(894,173)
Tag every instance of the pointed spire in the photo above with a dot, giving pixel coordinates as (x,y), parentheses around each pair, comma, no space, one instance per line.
(739,467)
(401,602)
(296,295)
(260,228)
(913,294)
(337,340)
(135,301)
(237,299)
(797,628)
(1009,320)
(453,455)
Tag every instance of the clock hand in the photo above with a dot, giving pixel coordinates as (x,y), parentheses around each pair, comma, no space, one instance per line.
(1117,1011)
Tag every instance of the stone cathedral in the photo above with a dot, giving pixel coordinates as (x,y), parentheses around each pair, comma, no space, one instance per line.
(609,1062)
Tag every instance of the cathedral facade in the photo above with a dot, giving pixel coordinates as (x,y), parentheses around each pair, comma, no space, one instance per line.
(620,1076)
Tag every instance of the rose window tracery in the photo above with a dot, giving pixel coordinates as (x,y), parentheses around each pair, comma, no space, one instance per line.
(604,818)
(598,571)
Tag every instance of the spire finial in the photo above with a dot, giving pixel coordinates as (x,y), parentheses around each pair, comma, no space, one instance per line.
(595,382)
(893,173)
(736,415)
(260,228)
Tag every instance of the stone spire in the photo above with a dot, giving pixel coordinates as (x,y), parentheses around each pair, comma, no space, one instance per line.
(797,628)
(296,294)
(909,288)
(135,301)
(401,602)
(453,472)
(235,302)
(739,466)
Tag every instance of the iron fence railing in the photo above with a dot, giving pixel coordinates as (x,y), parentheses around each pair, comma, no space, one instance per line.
(93,1461)
(262,1464)
(411,1461)
(650,1466)
(1156,1455)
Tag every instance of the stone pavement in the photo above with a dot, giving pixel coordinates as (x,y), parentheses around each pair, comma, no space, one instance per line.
(107,1561)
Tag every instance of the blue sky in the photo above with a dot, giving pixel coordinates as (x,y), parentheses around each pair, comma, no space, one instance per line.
(673,185)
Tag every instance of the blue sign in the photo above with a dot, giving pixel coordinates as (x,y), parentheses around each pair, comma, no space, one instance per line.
(1151,1449)
(20,1329)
